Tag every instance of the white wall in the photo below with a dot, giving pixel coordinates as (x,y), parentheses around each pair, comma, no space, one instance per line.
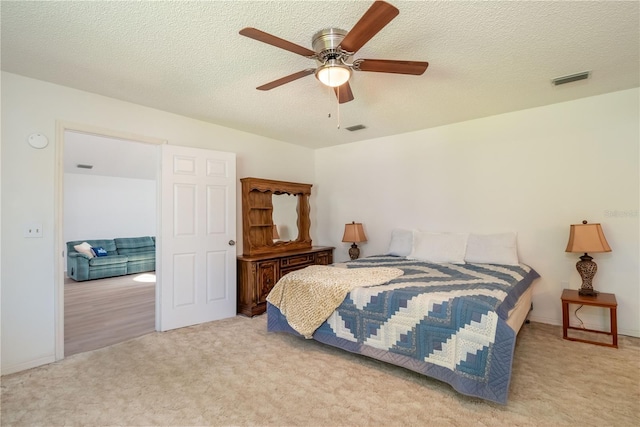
(106,207)
(535,172)
(28,176)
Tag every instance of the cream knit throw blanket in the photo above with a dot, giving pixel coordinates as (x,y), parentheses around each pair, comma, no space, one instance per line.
(307,297)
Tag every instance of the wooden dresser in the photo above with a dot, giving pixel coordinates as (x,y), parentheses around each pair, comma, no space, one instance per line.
(257,274)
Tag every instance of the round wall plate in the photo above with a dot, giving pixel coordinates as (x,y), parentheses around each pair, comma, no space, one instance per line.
(38,140)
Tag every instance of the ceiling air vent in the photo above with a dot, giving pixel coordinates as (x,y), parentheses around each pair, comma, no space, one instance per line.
(81,166)
(570,78)
(355,128)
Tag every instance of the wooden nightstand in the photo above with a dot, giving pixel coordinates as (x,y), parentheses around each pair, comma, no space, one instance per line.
(571,296)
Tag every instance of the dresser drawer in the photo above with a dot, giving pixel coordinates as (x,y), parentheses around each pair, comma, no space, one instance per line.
(267,276)
(257,275)
(290,269)
(324,258)
(297,261)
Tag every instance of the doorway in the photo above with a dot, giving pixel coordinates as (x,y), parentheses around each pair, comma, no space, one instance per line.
(195,238)
(107,188)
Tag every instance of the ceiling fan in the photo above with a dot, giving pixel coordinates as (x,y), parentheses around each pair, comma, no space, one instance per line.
(333,48)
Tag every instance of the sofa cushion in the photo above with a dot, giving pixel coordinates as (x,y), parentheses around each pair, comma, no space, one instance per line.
(108,244)
(99,251)
(133,251)
(133,245)
(109,270)
(106,260)
(142,256)
(84,248)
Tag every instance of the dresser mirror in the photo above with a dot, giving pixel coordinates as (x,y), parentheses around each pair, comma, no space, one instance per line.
(275,216)
(285,217)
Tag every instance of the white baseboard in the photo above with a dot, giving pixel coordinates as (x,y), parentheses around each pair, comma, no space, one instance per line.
(629,332)
(11,369)
(589,325)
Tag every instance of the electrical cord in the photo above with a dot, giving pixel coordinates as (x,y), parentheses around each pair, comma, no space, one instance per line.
(575,313)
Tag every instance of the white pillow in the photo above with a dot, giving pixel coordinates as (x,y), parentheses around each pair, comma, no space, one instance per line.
(439,247)
(401,242)
(84,248)
(492,249)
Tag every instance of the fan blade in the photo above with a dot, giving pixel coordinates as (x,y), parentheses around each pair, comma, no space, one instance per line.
(343,93)
(389,66)
(287,79)
(379,14)
(261,36)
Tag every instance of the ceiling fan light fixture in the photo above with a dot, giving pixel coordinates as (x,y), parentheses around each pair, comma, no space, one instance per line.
(334,48)
(333,74)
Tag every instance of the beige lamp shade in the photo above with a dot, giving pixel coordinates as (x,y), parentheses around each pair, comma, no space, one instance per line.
(354,233)
(587,238)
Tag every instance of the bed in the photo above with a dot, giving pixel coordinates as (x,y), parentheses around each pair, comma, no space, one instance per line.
(453,322)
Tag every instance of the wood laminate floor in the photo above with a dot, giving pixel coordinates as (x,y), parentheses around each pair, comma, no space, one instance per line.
(102,312)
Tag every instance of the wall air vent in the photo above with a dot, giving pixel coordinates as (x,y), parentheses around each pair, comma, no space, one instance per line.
(81,166)
(355,128)
(571,78)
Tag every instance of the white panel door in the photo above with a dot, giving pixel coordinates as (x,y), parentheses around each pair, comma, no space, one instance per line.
(197,253)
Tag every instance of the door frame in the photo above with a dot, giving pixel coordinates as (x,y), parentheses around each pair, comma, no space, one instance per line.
(59,244)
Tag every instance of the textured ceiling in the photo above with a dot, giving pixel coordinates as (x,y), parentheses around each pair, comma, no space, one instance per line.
(485,58)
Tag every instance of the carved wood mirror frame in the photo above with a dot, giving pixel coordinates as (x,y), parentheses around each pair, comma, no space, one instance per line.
(257,216)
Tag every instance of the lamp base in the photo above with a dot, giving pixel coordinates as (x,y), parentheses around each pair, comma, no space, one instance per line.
(587,269)
(587,293)
(354,252)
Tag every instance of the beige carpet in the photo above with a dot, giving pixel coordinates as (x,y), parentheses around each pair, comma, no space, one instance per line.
(233,372)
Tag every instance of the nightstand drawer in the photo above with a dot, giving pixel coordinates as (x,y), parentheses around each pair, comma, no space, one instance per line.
(299,260)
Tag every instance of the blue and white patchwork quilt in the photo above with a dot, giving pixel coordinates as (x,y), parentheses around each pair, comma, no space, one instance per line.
(446,321)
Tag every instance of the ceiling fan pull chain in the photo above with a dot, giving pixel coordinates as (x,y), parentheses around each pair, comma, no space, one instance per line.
(338,108)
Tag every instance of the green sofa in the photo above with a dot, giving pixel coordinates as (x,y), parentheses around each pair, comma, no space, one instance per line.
(126,255)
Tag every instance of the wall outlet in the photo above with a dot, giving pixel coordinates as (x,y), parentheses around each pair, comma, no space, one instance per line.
(33,230)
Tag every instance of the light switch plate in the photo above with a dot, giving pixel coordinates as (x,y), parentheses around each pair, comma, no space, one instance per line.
(33,229)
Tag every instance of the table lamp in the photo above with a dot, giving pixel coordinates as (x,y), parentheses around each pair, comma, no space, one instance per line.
(354,233)
(587,238)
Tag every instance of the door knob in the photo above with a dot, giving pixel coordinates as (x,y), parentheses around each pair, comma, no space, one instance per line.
(232,242)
